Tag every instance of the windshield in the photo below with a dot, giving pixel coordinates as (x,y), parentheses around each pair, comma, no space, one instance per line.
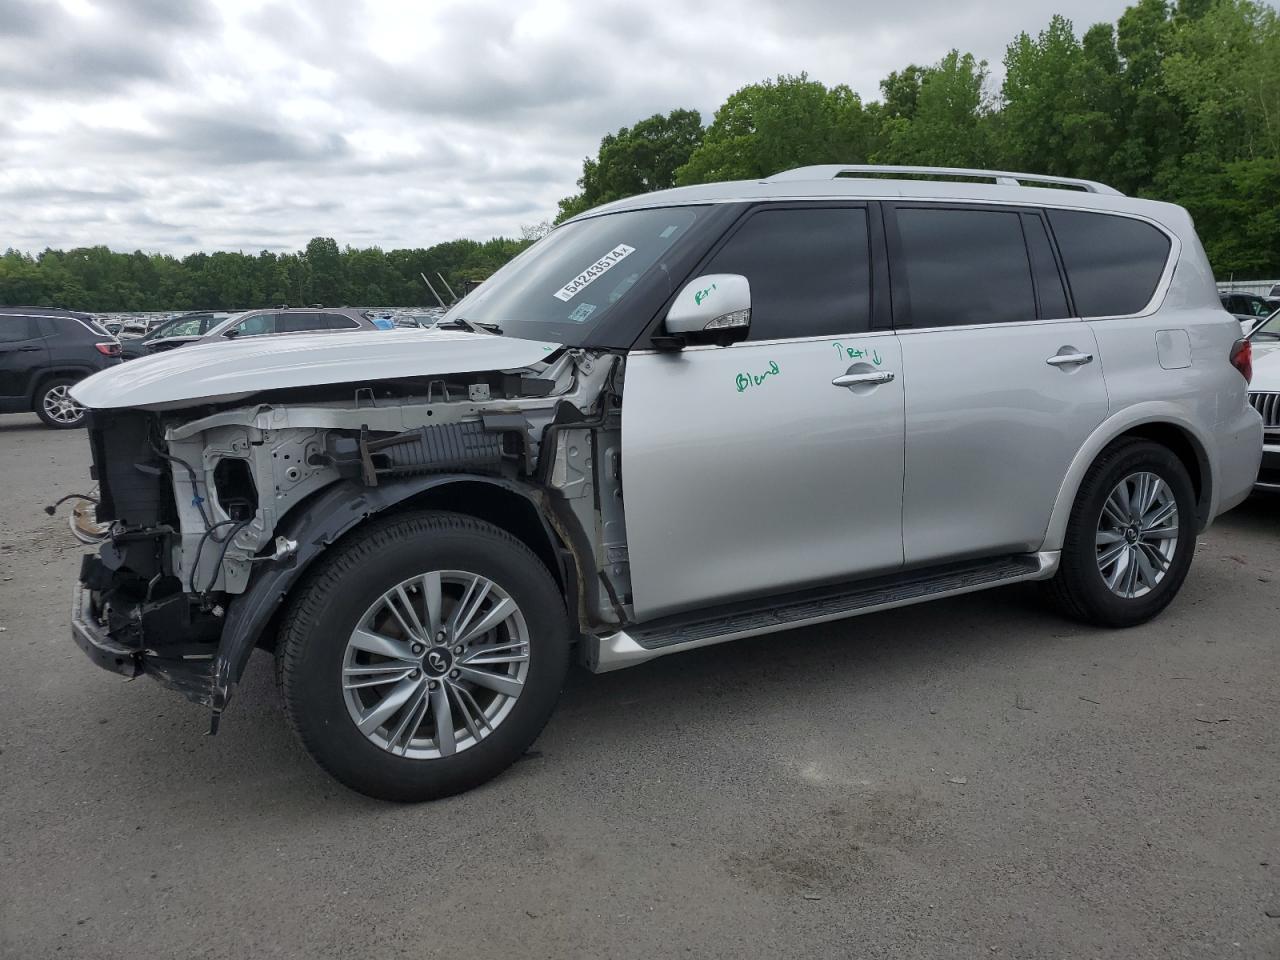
(1269,329)
(562,286)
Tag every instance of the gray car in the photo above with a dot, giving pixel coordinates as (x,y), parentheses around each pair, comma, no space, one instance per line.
(677,420)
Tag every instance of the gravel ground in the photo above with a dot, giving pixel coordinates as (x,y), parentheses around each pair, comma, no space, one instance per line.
(972,777)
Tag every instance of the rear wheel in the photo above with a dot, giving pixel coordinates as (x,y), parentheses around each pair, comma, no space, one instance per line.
(424,657)
(55,406)
(1130,537)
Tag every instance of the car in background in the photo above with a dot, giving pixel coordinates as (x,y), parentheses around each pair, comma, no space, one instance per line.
(422,321)
(1264,394)
(175,332)
(1249,308)
(43,351)
(283,320)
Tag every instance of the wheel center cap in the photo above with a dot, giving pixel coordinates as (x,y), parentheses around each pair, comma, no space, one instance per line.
(1131,534)
(437,661)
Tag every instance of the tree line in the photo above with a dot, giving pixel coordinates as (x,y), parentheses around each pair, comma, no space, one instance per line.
(1178,100)
(98,279)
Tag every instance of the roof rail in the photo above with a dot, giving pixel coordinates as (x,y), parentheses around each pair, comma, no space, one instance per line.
(830,171)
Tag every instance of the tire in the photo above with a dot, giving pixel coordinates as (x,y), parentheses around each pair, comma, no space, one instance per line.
(55,407)
(1080,588)
(318,659)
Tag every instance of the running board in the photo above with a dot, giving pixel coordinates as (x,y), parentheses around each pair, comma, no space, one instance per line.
(701,629)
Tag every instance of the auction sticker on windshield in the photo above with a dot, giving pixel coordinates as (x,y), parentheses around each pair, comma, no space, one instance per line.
(594,272)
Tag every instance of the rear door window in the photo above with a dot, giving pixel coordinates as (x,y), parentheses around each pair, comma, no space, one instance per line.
(336,321)
(16,329)
(962,266)
(1113,263)
(809,270)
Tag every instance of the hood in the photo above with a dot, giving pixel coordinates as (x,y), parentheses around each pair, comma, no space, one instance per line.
(238,368)
(1266,366)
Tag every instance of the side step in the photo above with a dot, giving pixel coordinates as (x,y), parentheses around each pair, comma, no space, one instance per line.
(700,629)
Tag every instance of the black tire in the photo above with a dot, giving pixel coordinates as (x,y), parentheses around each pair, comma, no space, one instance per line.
(1078,589)
(43,391)
(326,607)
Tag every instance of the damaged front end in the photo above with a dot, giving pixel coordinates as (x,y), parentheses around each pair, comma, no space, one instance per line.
(215,510)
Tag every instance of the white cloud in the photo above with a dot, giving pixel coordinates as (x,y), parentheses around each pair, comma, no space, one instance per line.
(245,125)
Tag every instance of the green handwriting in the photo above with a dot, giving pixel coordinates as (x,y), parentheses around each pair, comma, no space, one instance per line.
(857,353)
(744,380)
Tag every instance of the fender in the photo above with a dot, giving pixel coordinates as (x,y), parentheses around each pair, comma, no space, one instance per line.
(333,512)
(1152,411)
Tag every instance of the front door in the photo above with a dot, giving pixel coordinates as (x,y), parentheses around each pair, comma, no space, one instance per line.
(746,471)
(1002,387)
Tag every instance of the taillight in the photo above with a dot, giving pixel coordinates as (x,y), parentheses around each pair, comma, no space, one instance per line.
(111,349)
(1242,358)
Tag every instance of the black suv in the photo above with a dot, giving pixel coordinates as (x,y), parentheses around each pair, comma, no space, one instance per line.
(43,351)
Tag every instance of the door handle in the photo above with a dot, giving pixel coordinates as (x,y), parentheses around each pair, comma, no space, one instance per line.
(855,379)
(28,349)
(1070,359)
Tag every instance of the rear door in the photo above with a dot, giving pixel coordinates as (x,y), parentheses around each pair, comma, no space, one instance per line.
(1003,385)
(24,354)
(746,471)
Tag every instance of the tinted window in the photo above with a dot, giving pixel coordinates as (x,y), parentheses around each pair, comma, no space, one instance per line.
(809,271)
(965,266)
(13,329)
(256,325)
(1049,288)
(336,321)
(1114,264)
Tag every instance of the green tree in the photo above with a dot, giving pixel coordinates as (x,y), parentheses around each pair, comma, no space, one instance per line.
(949,123)
(771,126)
(635,160)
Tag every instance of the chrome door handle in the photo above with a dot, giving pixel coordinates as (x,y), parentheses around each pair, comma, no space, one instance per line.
(1070,359)
(855,379)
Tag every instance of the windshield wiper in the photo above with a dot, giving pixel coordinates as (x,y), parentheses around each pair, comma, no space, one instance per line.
(475,326)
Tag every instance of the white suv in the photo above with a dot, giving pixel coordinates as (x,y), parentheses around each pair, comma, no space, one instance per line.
(679,419)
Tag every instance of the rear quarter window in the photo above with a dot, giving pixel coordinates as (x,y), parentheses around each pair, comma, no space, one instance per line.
(1113,263)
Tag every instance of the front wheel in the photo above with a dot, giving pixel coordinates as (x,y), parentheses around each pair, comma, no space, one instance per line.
(55,406)
(1130,537)
(424,656)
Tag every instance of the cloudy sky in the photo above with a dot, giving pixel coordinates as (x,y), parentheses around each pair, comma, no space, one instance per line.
(177,125)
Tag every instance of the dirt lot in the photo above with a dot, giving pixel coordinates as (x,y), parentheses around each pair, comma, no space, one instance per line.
(967,778)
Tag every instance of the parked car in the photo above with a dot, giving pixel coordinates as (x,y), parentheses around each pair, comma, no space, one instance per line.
(679,419)
(422,321)
(1249,308)
(175,332)
(43,351)
(1264,394)
(263,323)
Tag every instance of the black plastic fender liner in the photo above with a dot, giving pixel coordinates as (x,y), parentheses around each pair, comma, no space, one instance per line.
(322,520)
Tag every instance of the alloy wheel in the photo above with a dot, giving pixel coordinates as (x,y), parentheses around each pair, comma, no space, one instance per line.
(1137,535)
(435,664)
(59,406)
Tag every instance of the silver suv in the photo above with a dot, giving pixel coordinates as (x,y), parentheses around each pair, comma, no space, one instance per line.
(680,419)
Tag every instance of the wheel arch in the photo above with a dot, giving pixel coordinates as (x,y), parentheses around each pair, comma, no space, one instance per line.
(1161,422)
(56,372)
(341,510)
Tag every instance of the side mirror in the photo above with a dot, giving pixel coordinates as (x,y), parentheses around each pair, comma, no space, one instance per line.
(710,305)
(232,333)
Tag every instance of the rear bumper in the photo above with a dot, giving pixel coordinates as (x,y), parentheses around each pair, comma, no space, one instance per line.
(1239,444)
